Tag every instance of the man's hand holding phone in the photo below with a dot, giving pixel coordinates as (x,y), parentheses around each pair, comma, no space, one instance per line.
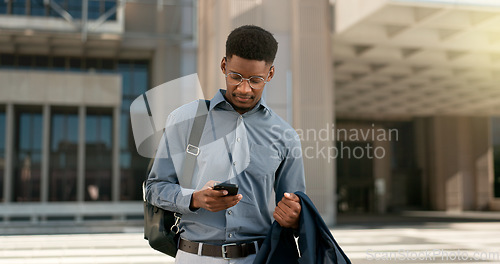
(214,198)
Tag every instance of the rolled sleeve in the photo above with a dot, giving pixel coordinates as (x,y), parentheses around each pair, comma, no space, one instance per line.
(290,176)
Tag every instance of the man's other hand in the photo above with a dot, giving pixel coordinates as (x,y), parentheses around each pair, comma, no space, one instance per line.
(213,200)
(287,211)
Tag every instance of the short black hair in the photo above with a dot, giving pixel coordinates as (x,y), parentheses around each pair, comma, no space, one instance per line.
(252,43)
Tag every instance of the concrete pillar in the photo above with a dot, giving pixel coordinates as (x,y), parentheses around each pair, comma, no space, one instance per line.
(80,176)
(115,169)
(279,92)
(313,99)
(172,59)
(382,174)
(165,63)
(460,163)
(44,181)
(9,153)
(436,167)
(422,157)
(214,24)
(482,166)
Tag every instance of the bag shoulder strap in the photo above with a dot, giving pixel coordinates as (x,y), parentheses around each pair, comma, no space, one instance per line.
(192,149)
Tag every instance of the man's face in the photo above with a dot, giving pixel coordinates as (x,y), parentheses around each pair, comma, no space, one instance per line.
(243,97)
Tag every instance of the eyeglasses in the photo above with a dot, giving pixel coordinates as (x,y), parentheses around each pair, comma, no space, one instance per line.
(256,82)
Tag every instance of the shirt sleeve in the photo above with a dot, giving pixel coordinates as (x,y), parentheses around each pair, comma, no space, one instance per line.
(290,176)
(162,186)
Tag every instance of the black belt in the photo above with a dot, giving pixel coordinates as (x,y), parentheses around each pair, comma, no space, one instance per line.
(227,251)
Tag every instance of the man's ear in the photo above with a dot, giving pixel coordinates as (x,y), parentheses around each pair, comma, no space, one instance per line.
(271,74)
(223,65)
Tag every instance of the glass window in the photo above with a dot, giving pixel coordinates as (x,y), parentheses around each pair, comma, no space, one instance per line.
(3,8)
(140,77)
(125,124)
(124,69)
(126,104)
(19,7)
(59,63)
(108,65)
(92,65)
(135,81)
(108,4)
(28,156)
(94,9)
(2,151)
(495,125)
(74,8)
(355,177)
(98,155)
(62,4)
(41,62)
(24,61)
(7,60)
(63,155)
(37,8)
(75,64)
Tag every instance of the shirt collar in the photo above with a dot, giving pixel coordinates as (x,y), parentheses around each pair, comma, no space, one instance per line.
(220,99)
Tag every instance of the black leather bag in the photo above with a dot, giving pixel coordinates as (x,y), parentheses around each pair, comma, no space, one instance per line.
(161,227)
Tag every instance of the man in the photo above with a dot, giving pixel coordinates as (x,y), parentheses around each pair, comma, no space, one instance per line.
(243,142)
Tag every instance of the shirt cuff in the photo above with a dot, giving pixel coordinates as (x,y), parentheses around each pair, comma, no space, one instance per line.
(184,200)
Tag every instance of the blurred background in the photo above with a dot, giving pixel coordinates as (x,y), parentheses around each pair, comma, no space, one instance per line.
(429,70)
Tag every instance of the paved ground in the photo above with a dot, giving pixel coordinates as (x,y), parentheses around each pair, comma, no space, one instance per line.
(366,240)
(434,243)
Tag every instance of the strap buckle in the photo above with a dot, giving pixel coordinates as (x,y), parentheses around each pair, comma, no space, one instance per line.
(193,150)
(224,250)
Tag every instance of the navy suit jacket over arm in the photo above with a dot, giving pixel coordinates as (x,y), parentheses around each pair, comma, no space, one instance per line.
(316,243)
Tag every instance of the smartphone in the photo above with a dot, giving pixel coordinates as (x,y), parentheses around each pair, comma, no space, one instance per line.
(232,189)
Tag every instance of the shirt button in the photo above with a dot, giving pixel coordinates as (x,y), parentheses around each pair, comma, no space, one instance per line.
(234,163)
(238,139)
(241,117)
(230,235)
(229,212)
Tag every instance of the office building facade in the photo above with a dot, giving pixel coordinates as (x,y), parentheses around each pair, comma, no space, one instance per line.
(69,71)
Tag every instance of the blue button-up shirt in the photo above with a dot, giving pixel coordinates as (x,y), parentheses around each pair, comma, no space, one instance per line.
(258,150)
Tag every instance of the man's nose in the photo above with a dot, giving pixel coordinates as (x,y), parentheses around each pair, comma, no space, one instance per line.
(244,87)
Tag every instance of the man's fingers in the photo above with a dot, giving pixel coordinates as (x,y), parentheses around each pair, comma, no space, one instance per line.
(216,193)
(232,198)
(292,204)
(216,204)
(281,217)
(278,215)
(235,201)
(210,184)
(292,197)
(289,211)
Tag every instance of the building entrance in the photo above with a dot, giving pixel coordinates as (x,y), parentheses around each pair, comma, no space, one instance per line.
(355,178)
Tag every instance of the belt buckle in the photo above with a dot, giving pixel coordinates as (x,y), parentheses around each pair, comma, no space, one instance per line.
(193,150)
(224,251)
